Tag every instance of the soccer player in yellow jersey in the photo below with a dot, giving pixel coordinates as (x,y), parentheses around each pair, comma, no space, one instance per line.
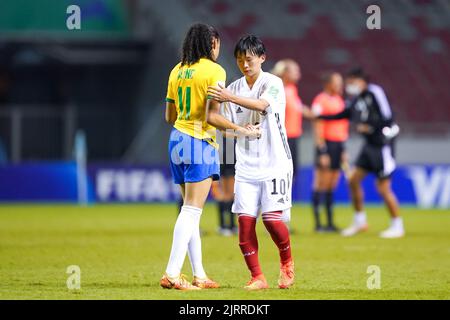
(193,154)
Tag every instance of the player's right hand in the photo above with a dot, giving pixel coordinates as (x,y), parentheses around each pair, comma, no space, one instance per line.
(251,131)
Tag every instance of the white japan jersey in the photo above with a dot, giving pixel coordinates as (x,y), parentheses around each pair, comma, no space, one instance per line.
(269,156)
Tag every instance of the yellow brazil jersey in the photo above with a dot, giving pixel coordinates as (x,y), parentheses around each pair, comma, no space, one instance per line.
(187,89)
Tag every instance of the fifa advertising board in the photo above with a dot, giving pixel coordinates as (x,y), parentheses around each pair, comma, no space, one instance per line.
(425,186)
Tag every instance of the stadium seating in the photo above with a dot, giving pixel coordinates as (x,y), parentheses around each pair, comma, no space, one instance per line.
(409,57)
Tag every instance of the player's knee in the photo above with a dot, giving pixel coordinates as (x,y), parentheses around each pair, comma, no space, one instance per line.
(330,186)
(353,181)
(229,196)
(383,190)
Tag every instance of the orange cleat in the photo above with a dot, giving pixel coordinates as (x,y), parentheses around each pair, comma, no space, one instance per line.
(178,283)
(205,283)
(257,283)
(287,275)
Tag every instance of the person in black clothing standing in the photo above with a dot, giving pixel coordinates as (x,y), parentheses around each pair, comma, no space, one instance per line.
(223,190)
(369,109)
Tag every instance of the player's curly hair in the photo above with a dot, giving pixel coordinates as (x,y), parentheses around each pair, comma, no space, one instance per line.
(198,43)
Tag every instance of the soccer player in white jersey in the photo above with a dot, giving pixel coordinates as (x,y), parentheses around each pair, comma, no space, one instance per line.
(263,180)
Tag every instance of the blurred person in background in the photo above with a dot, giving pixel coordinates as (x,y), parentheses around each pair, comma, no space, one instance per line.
(224,188)
(372,113)
(329,138)
(289,71)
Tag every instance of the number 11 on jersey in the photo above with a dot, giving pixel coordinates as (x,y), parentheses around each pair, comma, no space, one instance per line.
(187,110)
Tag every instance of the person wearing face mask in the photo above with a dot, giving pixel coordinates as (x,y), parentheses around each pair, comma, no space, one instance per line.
(369,108)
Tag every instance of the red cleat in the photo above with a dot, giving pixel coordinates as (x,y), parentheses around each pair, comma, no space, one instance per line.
(287,275)
(257,283)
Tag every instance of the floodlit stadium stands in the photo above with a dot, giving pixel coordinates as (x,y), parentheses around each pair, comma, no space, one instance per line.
(409,56)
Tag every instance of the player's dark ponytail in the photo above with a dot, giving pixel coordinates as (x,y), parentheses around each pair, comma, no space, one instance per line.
(198,43)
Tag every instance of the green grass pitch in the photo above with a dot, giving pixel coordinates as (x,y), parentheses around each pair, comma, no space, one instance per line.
(122,251)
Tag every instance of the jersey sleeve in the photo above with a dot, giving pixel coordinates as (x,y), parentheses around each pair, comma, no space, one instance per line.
(274,94)
(170,96)
(219,76)
(345,114)
(384,108)
(383,104)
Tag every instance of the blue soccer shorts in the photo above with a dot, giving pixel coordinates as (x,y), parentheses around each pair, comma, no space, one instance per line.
(191,159)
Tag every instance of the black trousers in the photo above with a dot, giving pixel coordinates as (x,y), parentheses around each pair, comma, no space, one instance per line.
(295,149)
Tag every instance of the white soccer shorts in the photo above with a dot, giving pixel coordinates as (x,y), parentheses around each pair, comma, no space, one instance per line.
(254,198)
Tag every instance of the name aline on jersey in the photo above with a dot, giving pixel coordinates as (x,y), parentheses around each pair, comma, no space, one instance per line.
(198,154)
(185,74)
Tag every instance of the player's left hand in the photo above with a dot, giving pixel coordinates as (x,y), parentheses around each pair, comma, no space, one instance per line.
(255,130)
(220,93)
(253,126)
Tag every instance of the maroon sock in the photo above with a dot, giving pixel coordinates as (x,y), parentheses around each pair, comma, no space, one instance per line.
(279,233)
(249,244)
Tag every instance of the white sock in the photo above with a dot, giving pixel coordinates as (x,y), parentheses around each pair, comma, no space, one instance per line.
(182,233)
(195,252)
(397,223)
(360,218)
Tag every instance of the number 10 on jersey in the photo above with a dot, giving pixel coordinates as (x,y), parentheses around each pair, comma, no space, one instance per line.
(282,186)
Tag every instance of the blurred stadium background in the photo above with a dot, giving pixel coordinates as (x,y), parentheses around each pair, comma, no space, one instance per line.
(81,121)
(107,82)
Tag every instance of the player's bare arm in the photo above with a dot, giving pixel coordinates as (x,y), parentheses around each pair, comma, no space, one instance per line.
(308,113)
(214,118)
(171,113)
(232,134)
(222,94)
(345,114)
